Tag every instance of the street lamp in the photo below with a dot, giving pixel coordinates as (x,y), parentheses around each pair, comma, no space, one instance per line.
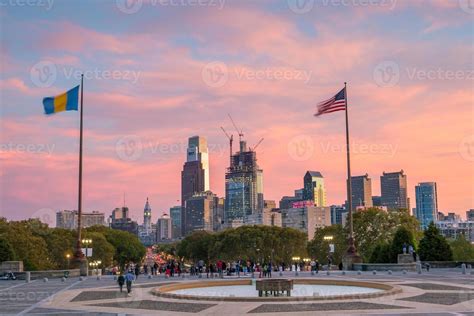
(296,260)
(330,247)
(68,256)
(306,260)
(95,265)
(86,243)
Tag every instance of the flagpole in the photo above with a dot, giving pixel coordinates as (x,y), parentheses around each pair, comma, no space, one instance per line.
(351,249)
(79,254)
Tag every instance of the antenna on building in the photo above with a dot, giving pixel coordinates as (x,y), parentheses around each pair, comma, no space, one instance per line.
(124,199)
(231,139)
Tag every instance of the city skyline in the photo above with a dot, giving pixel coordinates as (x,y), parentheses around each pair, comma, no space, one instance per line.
(136,131)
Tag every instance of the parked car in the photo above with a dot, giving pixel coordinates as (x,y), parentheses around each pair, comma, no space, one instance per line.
(8,276)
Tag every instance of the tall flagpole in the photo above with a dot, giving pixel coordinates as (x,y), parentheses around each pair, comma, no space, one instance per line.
(79,254)
(351,249)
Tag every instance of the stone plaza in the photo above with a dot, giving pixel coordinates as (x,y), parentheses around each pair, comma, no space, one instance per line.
(438,292)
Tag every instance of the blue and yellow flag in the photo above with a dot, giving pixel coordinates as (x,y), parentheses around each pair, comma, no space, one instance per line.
(67,101)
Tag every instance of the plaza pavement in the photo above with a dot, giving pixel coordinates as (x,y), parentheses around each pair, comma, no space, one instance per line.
(439,292)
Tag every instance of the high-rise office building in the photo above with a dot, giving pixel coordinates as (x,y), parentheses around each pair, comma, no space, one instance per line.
(394,190)
(120,220)
(376,200)
(195,174)
(470,215)
(306,219)
(426,203)
(314,189)
(199,212)
(361,191)
(218,213)
(68,219)
(243,185)
(164,228)
(336,214)
(175,214)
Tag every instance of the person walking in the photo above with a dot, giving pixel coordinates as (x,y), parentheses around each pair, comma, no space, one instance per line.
(129,278)
(121,281)
(137,270)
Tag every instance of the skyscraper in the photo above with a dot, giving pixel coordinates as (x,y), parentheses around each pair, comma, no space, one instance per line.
(361,191)
(314,189)
(164,228)
(426,203)
(394,190)
(199,212)
(243,185)
(175,214)
(195,174)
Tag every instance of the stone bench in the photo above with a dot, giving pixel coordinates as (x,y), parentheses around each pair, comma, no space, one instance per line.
(274,286)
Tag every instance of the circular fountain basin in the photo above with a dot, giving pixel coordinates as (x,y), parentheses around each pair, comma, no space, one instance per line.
(304,289)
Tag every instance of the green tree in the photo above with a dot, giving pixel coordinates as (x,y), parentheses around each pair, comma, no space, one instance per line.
(6,250)
(403,236)
(318,247)
(128,247)
(433,246)
(381,253)
(101,249)
(462,249)
(60,242)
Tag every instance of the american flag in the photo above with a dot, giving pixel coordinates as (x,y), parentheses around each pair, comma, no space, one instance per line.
(336,103)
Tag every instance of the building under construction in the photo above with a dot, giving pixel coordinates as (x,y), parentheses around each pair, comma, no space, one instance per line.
(243,185)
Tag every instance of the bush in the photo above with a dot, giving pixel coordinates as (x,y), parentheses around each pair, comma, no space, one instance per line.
(381,253)
(402,237)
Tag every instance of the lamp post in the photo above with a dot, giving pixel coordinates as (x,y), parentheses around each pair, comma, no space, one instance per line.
(330,246)
(296,261)
(68,257)
(95,266)
(86,242)
(306,261)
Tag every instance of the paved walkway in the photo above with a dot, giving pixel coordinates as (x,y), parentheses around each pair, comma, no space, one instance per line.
(438,292)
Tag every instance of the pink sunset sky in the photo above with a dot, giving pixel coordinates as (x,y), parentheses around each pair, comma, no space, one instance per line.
(158,72)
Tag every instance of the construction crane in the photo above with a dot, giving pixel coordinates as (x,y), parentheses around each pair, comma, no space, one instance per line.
(231,139)
(255,147)
(240,132)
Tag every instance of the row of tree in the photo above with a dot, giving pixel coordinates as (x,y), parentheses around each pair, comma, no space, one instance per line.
(380,236)
(44,248)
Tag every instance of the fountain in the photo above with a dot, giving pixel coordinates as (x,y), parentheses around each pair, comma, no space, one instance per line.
(274,290)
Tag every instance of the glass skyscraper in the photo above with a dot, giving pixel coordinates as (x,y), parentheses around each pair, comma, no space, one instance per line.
(426,203)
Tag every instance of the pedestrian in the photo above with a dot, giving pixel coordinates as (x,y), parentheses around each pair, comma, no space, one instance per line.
(137,270)
(129,279)
(237,268)
(316,266)
(270,267)
(121,281)
(414,256)
(156,268)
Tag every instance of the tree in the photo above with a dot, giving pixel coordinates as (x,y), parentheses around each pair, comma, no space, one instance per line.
(433,246)
(60,242)
(6,250)
(318,247)
(402,237)
(463,250)
(373,226)
(381,253)
(101,249)
(128,247)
